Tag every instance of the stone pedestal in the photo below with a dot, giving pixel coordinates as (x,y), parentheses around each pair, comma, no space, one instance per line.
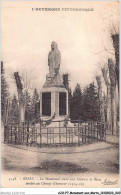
(53,103)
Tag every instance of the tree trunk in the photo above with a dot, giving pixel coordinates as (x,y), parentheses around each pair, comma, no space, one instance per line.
(22,112)
(114,113)
(20,98)
(98,78)
(114,103)
(115,39)
(108,105)
(108,102)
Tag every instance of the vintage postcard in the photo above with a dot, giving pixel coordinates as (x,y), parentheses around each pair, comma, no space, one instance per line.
(60,94)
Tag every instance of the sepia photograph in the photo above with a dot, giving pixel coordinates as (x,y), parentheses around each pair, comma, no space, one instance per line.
(60,94)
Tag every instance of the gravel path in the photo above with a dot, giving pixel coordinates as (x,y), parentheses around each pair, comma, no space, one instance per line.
(97,157)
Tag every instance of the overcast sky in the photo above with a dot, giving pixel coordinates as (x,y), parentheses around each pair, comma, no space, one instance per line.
(27,37)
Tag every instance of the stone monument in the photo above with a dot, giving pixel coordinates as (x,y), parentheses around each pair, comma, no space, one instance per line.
(54,95)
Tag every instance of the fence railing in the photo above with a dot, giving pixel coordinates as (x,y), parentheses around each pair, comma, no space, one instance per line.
(58,133)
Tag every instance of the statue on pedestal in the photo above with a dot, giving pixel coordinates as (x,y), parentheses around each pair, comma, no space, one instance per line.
(54,95)
(54,60)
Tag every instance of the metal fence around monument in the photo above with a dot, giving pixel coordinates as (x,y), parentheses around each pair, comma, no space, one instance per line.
(39,135)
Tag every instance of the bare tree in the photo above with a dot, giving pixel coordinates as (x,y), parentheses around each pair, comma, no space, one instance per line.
(109,75)
(22,104)
(114,102)
(115,38)
(24,88)
(108,95)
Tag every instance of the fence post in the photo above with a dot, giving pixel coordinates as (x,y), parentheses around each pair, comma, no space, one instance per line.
(69,134)
(32,134)
(66,134)
(53,135)
(36,134)
(11,134)
(23,132)
(34,131)
(47,135)
(40,134)
(97,132)
(85,133)
(91,133)
(105,132)
(19,133)
(15,134)
(50,136)
(82,135)
(72,133)
(78,135)
(5,133)
(88,132)
(27,132)
(59,134)
(17,129)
